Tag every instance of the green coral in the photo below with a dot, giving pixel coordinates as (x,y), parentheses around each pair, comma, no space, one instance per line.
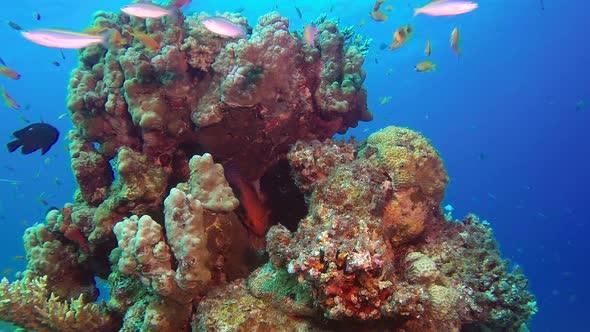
(283,290)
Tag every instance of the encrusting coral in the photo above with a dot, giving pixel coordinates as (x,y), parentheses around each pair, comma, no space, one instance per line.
(358,239)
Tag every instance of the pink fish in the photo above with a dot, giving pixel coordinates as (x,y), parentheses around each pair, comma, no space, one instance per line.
(63,39)
(146,10)
(224,27)
(446,8)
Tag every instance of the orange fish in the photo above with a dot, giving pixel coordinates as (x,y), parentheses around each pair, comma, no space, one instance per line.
(94,30)
(256,211)
(75,235)
(116,39)
(401,36)
(8,99)
(9,72)
(149,42)
(309,34)
(455,39)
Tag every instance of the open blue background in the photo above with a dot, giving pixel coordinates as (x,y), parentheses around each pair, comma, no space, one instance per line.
(503,116)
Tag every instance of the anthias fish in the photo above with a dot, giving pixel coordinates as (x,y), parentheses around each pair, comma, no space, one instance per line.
(455,40)
(446,8)
(224,27)
(34,137)
(63,38)
(428,48)
(9,72)
(310,33)
(146,10)
(8,100)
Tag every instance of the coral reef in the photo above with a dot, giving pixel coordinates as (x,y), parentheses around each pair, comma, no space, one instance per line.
(173,123)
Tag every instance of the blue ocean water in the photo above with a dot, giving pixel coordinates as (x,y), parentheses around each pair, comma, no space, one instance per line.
(503,116)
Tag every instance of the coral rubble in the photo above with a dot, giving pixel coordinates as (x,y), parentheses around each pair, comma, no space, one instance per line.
(358,238)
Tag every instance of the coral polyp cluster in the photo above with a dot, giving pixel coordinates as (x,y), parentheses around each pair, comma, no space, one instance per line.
(188,148)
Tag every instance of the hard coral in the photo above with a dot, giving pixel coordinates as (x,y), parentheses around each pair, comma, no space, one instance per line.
(370,250)
(313,161)
(233,308)
(49,256)
(410,159)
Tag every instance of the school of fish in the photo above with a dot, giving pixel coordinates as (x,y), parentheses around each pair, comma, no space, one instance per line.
(42,136)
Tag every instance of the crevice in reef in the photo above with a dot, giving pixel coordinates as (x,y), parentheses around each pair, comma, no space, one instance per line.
(286,201)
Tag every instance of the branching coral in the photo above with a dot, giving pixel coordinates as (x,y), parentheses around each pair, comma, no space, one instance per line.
(28,303)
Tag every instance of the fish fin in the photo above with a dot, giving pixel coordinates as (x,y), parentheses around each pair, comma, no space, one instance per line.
(232,173)
(45,149)
(416,11)
(13,145)
(28,149)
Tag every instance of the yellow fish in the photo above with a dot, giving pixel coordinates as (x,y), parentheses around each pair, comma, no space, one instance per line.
(376,14)
(379,16)
(455,39)
(428,49)
(425,66)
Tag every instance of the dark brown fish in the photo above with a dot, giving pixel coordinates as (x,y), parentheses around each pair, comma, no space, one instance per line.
(34,137)
(15,26)
(298,12)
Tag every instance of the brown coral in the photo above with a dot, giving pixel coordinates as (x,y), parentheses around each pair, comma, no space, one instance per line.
(410,159)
